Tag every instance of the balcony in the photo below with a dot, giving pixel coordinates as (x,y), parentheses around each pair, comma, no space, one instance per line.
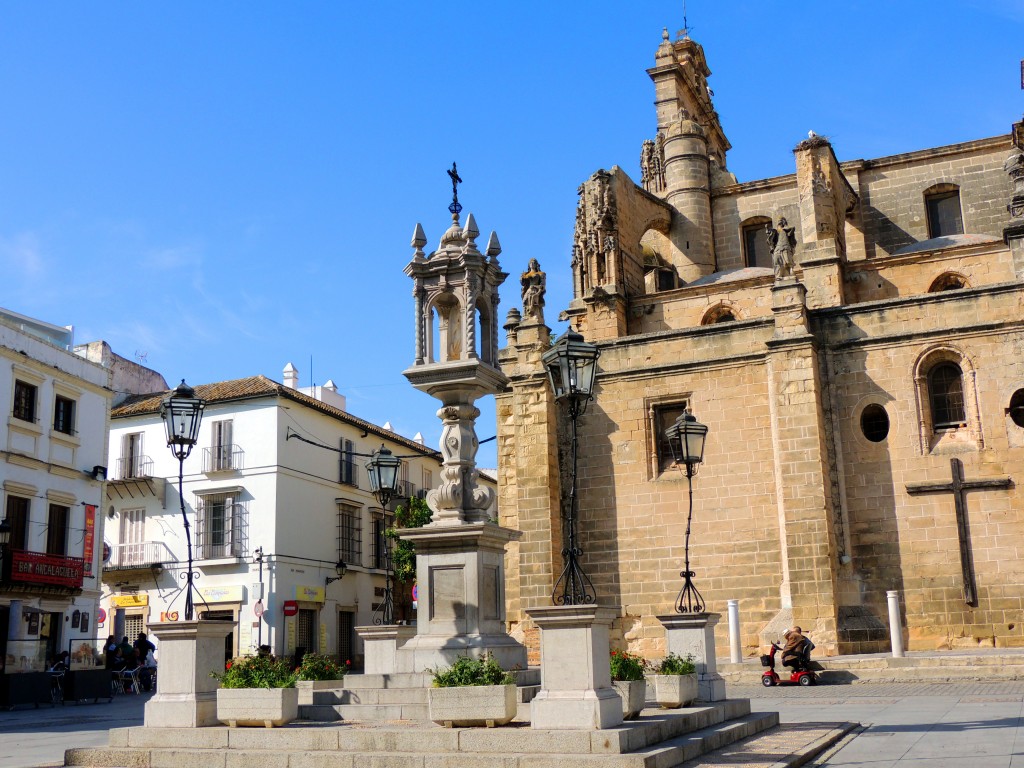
(133,479)
(133,468)
(222,458)
(138,556)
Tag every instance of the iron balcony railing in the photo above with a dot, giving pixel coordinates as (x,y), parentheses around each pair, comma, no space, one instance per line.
(131,467)
(142,554)
(222,458)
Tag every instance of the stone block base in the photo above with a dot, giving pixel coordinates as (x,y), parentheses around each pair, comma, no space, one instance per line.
(173,710)
(574,711)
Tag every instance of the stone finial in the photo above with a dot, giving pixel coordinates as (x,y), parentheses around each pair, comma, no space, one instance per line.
(493,246)
(419,238)
(511,326)
(470,230)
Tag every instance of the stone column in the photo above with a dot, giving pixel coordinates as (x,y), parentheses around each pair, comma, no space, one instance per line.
(187,695)
(694,634)
(380,648)
(576,683)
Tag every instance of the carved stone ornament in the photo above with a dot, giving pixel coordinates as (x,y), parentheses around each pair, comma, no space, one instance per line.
(534,286)
(1014,166)
(782,243)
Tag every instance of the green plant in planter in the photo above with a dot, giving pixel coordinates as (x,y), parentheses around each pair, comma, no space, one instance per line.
(318,666)
(467,671)
(627,666)
(675,665)
(256,672)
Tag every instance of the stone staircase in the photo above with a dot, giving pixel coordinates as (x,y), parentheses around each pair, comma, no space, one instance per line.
(916,667)
(370,698)
(657,739)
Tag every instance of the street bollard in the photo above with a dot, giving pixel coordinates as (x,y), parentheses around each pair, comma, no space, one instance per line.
(895,627)
(735,650)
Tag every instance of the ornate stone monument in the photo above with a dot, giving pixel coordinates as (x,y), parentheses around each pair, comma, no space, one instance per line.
(460,554)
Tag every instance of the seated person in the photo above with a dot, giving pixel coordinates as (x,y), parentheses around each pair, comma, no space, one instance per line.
(794,650)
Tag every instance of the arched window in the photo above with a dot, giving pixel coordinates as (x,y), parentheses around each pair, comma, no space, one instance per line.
(942,203)
(720,314)
(755,242)
(946,396)
(948,281)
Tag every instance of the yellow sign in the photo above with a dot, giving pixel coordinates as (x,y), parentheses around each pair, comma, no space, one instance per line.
(289,634)
(323,637)
(222,594)
(310,594)
(129,601)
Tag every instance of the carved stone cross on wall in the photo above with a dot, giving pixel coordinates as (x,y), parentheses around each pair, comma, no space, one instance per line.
(959,487)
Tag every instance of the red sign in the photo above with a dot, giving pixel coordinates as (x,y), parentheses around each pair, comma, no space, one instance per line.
(101,617)
(37,568)
(90,536)
(291,607)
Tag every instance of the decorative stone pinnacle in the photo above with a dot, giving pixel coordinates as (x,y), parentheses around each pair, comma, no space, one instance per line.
(470,230)
(419,238)
(493,246)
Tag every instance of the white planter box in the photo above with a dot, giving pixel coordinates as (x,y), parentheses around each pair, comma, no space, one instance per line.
(472,705)
(674,691)
(257,706)
(632,693)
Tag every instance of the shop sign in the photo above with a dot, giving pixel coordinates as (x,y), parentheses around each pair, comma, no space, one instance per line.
(37,568)
(90,536)
(168,615)
(291,607)
(222,594)
(310,594)
(129,601)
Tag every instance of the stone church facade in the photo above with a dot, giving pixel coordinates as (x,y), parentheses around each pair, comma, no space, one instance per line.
(865,402)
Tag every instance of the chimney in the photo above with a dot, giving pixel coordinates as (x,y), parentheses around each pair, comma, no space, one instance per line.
(418,438)
(291,376)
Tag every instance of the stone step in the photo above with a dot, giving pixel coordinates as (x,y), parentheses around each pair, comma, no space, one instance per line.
(878,669)
(639,744)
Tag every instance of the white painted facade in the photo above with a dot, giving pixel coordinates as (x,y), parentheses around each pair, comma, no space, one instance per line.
(268,491)
(52,435)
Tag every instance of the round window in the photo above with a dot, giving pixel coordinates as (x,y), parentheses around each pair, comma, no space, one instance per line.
(874,423)
(1016,409)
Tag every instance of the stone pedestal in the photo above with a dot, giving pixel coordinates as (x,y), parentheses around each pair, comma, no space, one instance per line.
(189,652)
(694,634)
(380,648)
(461,578)
(576,684)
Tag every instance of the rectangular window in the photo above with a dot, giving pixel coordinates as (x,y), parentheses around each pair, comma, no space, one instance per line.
(222,446)
(350,533)
(17,518)
(428,480)
(133,548)
(944,216)
(220,526)
(25,400)
(64,415)
(664,417)
(132,463)
(348,474)
(755,246)
(381,548)
(57,530)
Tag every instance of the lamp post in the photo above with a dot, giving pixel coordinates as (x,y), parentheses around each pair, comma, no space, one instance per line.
(341,569)
(686,439)
(571,364)
(182,411)
(382,469)
(258,609)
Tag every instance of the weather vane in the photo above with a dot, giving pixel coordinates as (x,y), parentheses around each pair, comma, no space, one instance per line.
(686,30)
(455,208)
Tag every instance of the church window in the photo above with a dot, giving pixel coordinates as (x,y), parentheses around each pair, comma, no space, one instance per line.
(755,243)
(719,314)
(874,423)
(946,396)
(664,417)
(944,216)
(948,281)
(1016,408)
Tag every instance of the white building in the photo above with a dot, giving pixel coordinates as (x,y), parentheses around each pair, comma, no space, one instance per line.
(53,442)
(262,478)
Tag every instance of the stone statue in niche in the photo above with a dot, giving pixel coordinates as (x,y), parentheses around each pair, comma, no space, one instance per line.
(1014,166)
(534,286)
(781,243)
(646,163)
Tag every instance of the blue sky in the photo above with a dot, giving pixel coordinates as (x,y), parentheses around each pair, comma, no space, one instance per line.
(226,187)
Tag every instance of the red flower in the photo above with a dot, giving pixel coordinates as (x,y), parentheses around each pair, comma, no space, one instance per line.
(227,665)
(348,663)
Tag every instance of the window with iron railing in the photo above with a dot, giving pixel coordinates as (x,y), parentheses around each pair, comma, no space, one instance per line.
(221,526)
(133,463)
(222,455)
(24,400)
(350,533)
(17,518)
(64,415)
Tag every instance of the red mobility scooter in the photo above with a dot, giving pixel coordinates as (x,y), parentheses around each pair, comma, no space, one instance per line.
(801,674)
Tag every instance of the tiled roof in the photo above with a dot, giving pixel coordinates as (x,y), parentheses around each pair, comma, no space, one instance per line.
(256,387)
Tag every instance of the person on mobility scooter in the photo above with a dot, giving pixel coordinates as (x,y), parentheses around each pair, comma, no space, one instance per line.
(796,654)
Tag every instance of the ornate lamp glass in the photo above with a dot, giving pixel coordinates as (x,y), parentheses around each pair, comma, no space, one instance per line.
(572,366)
(686,439)
(382,470)
(182,411)
(341,569)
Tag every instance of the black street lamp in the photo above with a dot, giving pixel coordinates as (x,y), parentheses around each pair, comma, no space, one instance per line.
(341,569)
(571,364)
(182,411)
(382,469)
(686,439)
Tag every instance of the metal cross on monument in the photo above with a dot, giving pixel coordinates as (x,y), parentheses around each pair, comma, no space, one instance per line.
(455,208)
(959,487)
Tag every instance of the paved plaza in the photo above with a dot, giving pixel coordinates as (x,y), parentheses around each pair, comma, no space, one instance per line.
(972,725)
